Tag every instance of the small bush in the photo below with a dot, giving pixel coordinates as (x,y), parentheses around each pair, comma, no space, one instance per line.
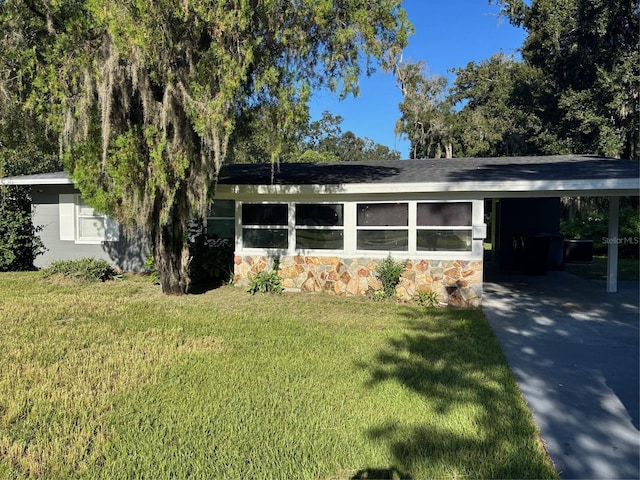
(389,272)
(90,269)
(426,298)
(151,270)
(267,281)
(378,296)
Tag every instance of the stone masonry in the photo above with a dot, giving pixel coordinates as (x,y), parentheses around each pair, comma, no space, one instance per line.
(456,282)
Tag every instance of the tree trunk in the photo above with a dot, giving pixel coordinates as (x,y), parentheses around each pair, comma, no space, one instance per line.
(172,261)
(171,249)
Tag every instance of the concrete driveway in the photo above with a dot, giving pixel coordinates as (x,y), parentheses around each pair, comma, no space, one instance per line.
(574,351)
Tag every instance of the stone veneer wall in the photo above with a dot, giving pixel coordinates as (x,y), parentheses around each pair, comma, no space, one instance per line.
(457,282)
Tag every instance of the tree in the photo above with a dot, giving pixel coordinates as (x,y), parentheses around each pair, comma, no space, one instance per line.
(318,141)
(586,52)
(254,136)
(494,116)
(427,119)
(25,148)
(145,94)
(325,141)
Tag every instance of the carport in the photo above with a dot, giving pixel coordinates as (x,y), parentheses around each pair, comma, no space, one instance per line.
(526,195)
(572,345)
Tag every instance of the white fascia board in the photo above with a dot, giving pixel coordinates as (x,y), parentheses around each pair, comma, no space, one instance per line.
(35,181)
(502,188)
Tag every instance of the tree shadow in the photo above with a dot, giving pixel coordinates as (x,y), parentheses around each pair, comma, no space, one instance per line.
(391,473)
(296,174)
(452,360)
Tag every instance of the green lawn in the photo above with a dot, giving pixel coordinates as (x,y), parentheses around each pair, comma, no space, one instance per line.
(116,380)
(628,268)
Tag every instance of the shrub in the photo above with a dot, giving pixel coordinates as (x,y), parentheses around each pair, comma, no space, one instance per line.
(378,296)
(90,269)
(19,242)
(151,270)
(593,223)
(267,281)
(389,272)
(427,298)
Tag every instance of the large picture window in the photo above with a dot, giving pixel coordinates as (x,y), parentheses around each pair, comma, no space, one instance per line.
(265,225)
(383,226)
(444,226)
(319,226)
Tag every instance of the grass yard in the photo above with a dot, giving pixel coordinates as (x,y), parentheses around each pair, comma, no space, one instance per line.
(628,268)
(115,380)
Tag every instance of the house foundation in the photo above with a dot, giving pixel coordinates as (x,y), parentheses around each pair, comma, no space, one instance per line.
(456,282)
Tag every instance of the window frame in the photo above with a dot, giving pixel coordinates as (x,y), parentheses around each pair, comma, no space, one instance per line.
(387,228)
(333,228)
(444,228)
(70,215)
(212,219)
(273,227)
(350,228)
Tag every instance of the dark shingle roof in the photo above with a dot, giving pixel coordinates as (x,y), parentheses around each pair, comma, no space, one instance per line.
(566,172)
(500,169)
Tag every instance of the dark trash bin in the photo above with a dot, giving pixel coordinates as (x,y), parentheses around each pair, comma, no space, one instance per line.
(578,251)
(556,251)
(535,254)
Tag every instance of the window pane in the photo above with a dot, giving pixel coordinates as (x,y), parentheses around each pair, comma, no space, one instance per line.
(223,208)
(265,238)
(309,214)
(444,214)
(91,227)
(85,210)
(320,239)
(457,240)
(267,214)
(383,214)
(221,228)
(383,240)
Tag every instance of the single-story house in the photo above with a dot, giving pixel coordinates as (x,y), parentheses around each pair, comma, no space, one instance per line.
(330,225)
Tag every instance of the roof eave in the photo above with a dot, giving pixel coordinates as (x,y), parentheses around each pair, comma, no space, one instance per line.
(498,188)
(44,179)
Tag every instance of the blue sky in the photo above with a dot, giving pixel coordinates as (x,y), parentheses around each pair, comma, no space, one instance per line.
(448,34)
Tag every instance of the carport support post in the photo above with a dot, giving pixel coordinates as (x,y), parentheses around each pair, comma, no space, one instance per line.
(612,245)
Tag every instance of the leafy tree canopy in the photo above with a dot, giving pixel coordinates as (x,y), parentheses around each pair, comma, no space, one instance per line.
(321,140)
(26,147)
(145,94)
(576,89)
(426,119)
(586,56)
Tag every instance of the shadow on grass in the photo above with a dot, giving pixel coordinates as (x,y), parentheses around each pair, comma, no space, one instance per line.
(479,426)
(381,474)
